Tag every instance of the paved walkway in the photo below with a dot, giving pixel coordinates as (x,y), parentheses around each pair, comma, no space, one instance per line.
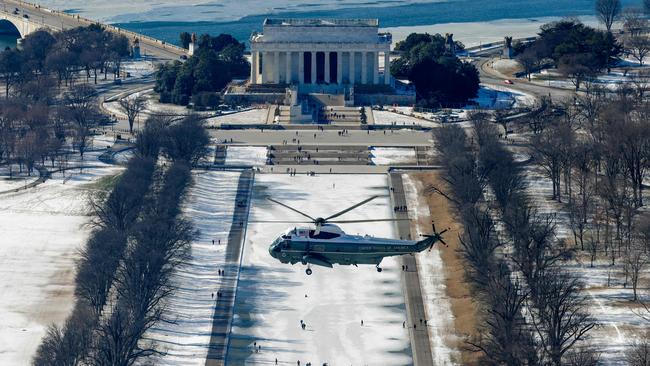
(223,312)
(418,333)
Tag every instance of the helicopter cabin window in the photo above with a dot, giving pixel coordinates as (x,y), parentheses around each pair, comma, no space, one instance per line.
(322,235)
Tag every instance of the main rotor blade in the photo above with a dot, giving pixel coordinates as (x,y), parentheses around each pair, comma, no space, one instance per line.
(291,208)
(279,222)
(368,220)
(351,208)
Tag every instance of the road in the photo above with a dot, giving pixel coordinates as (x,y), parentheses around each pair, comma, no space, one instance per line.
(328,137)
(223,311)
(489,76)
(419,334)
(59,20)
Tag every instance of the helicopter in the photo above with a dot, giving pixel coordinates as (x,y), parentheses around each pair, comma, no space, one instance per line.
(326,244)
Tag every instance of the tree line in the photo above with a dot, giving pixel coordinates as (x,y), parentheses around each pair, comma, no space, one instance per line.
(576,50)
(441,79)
(216,62)
(533,312)
(57,57)
(124,272)
(34,131)
(46,112)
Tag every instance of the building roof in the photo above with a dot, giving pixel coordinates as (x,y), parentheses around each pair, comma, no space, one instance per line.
(310,22)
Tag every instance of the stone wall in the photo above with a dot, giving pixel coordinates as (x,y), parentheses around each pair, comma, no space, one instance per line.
(383,99)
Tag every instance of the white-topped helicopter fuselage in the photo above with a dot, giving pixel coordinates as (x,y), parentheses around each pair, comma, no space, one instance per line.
(327,244)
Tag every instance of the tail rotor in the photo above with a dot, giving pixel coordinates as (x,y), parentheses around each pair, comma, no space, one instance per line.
(436,235)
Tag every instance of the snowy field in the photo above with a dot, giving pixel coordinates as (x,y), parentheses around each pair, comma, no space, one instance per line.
(246,155)
(42,230)
(209,205)
(273,298)
(253,116)
(393,155)
(432,281)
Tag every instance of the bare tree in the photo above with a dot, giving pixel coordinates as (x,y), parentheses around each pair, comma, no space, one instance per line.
(132,106)
(639,353)
(507,340)
(637,260)
(560,317)
(608,11)
(187,141)
(584,356)
(637,46)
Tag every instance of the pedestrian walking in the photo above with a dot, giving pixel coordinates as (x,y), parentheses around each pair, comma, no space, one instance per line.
(404,324)
(212,241)
(362,322)
(213,295)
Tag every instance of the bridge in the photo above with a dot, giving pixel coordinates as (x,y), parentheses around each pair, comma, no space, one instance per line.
(27,18)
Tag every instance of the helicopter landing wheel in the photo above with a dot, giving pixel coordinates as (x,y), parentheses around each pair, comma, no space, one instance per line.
(308,271)
(379,269)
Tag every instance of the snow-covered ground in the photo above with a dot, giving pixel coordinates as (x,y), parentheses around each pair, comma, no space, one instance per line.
(17,179)
(501,97)
(611,81)
(252,116)
(432,281)
(246,155)
(209,205)
(273,298)
(387,117)
(393,155)
(41,231)
(138,69)
(123,156)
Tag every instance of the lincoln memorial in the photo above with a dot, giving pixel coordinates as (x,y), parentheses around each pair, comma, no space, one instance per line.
(311,52)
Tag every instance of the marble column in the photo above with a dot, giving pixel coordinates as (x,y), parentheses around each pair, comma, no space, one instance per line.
(288,77)
(327,67)
(301,67)
(364,67)
(313,67)
(265,67)
(375,67)
(352,71)
(276,70)
(339,68)
(387,67)
(253,67)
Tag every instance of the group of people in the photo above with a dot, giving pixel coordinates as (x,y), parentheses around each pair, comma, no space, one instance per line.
(400,208)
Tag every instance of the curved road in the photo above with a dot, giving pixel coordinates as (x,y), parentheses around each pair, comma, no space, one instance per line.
(489,76)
